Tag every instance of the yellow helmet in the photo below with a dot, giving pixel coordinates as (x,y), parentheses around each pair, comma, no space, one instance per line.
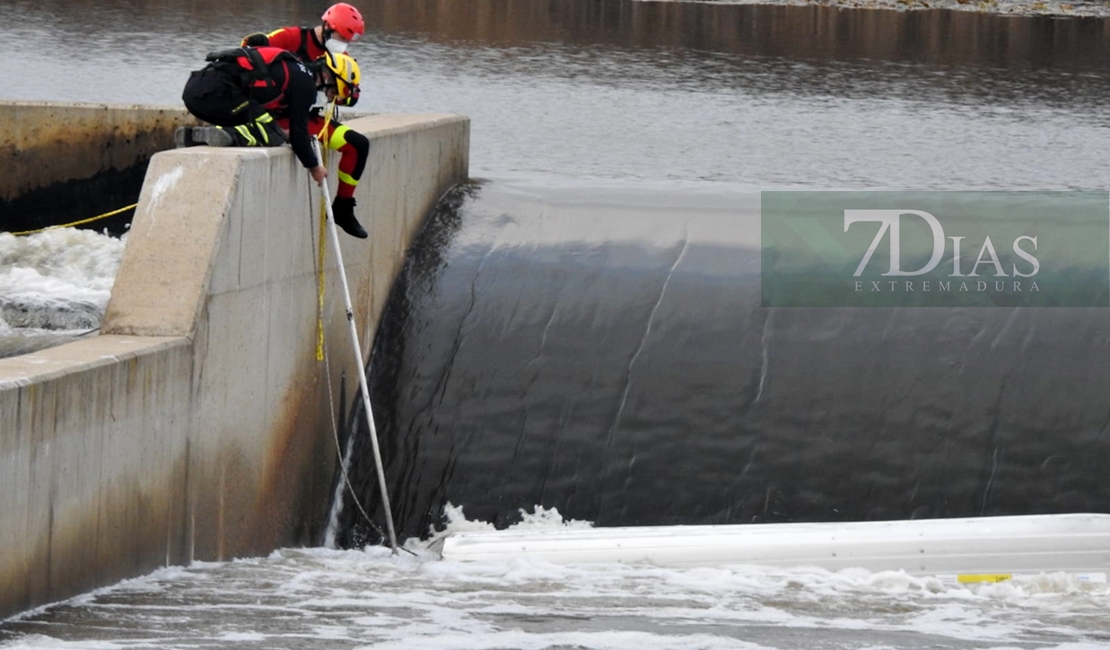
(344,69)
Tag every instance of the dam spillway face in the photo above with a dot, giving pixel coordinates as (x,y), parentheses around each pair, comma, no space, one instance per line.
(622,369)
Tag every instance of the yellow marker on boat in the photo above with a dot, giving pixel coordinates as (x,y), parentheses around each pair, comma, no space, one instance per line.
(964,578)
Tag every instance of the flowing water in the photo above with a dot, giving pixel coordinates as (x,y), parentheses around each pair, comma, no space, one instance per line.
(54,287)
(634,125)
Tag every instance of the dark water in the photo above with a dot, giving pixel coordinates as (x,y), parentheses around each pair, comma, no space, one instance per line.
(605,354)
(763,97)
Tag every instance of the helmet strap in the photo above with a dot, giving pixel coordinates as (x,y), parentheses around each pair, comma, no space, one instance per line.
(324,76)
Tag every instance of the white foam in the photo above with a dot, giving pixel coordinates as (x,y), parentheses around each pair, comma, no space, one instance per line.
(414,600)
(77,264)
(60,277)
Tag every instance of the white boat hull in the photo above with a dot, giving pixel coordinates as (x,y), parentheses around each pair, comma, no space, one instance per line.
(971,549)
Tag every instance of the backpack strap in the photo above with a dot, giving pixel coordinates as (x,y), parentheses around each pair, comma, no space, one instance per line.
(258,72)
(302,53)
(258,64)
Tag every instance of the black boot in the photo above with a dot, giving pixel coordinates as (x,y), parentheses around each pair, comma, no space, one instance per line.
(183,137)
(343,208)
(192,136)
(213,136)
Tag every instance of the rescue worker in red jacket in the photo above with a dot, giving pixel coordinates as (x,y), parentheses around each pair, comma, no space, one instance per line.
(340,25)
(245,91)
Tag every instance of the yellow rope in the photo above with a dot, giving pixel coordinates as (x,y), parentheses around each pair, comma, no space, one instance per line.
(329,111)
(320,250)
(322,246)
(78,223)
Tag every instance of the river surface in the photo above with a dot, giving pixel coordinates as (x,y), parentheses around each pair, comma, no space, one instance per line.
(596,101)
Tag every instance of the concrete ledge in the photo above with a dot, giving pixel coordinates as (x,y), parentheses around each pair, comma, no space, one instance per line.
(55,363)
(199,424)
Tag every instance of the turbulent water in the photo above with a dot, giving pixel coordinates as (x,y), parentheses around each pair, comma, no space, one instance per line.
(54,287)
(313,598)
(596,101)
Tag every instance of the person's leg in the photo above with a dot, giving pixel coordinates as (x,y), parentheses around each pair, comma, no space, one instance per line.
(208,97)
(212,97)
(259,131)
(351,163)
(217,99)
(353,148)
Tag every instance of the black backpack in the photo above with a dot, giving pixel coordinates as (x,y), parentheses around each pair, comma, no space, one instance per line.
(257,76)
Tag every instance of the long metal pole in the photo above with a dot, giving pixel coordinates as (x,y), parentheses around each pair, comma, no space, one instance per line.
(358,357)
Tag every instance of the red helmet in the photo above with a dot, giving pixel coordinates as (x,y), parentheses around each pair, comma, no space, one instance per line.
(345,21)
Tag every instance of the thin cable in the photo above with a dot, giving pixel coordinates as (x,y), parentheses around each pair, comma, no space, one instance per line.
(340,455)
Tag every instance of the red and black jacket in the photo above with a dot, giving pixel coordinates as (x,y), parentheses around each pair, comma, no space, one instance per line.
(279,83)
(298,40)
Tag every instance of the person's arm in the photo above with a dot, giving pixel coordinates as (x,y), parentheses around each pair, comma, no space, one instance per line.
(287,38)
(300,95)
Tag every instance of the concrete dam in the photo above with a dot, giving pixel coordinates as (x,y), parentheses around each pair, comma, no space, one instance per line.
(199,424)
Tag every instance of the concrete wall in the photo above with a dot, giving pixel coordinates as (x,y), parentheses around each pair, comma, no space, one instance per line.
(57,142)
(198,425)
(65,162)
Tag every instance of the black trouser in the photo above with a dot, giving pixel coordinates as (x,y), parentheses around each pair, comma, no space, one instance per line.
(218,98)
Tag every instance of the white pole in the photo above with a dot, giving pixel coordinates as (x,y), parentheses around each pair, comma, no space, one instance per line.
(358,358)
